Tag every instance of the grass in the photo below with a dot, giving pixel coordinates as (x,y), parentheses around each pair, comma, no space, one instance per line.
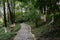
(8,35)
(39,31)
(17,27)
(44,31)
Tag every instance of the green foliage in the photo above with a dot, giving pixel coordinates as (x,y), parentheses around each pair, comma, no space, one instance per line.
(2,30)
(40,31)
(7,36)
(1,24)
(49,18)
(17,27)
(21,17)
(33,16)
(57,20)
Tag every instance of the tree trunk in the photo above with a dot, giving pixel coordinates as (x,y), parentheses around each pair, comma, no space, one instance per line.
(12,15)
(5,21)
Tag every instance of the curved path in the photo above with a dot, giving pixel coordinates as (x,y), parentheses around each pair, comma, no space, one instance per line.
(24,33)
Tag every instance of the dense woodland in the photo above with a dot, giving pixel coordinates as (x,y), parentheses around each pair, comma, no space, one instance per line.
(42,15)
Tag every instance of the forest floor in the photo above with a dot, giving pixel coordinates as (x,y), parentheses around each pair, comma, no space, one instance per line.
(24,33)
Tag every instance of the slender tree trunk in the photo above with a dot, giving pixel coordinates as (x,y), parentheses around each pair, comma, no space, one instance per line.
(5,21)
(12,16)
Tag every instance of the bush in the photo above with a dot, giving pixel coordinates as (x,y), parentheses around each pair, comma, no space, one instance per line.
(21,17)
